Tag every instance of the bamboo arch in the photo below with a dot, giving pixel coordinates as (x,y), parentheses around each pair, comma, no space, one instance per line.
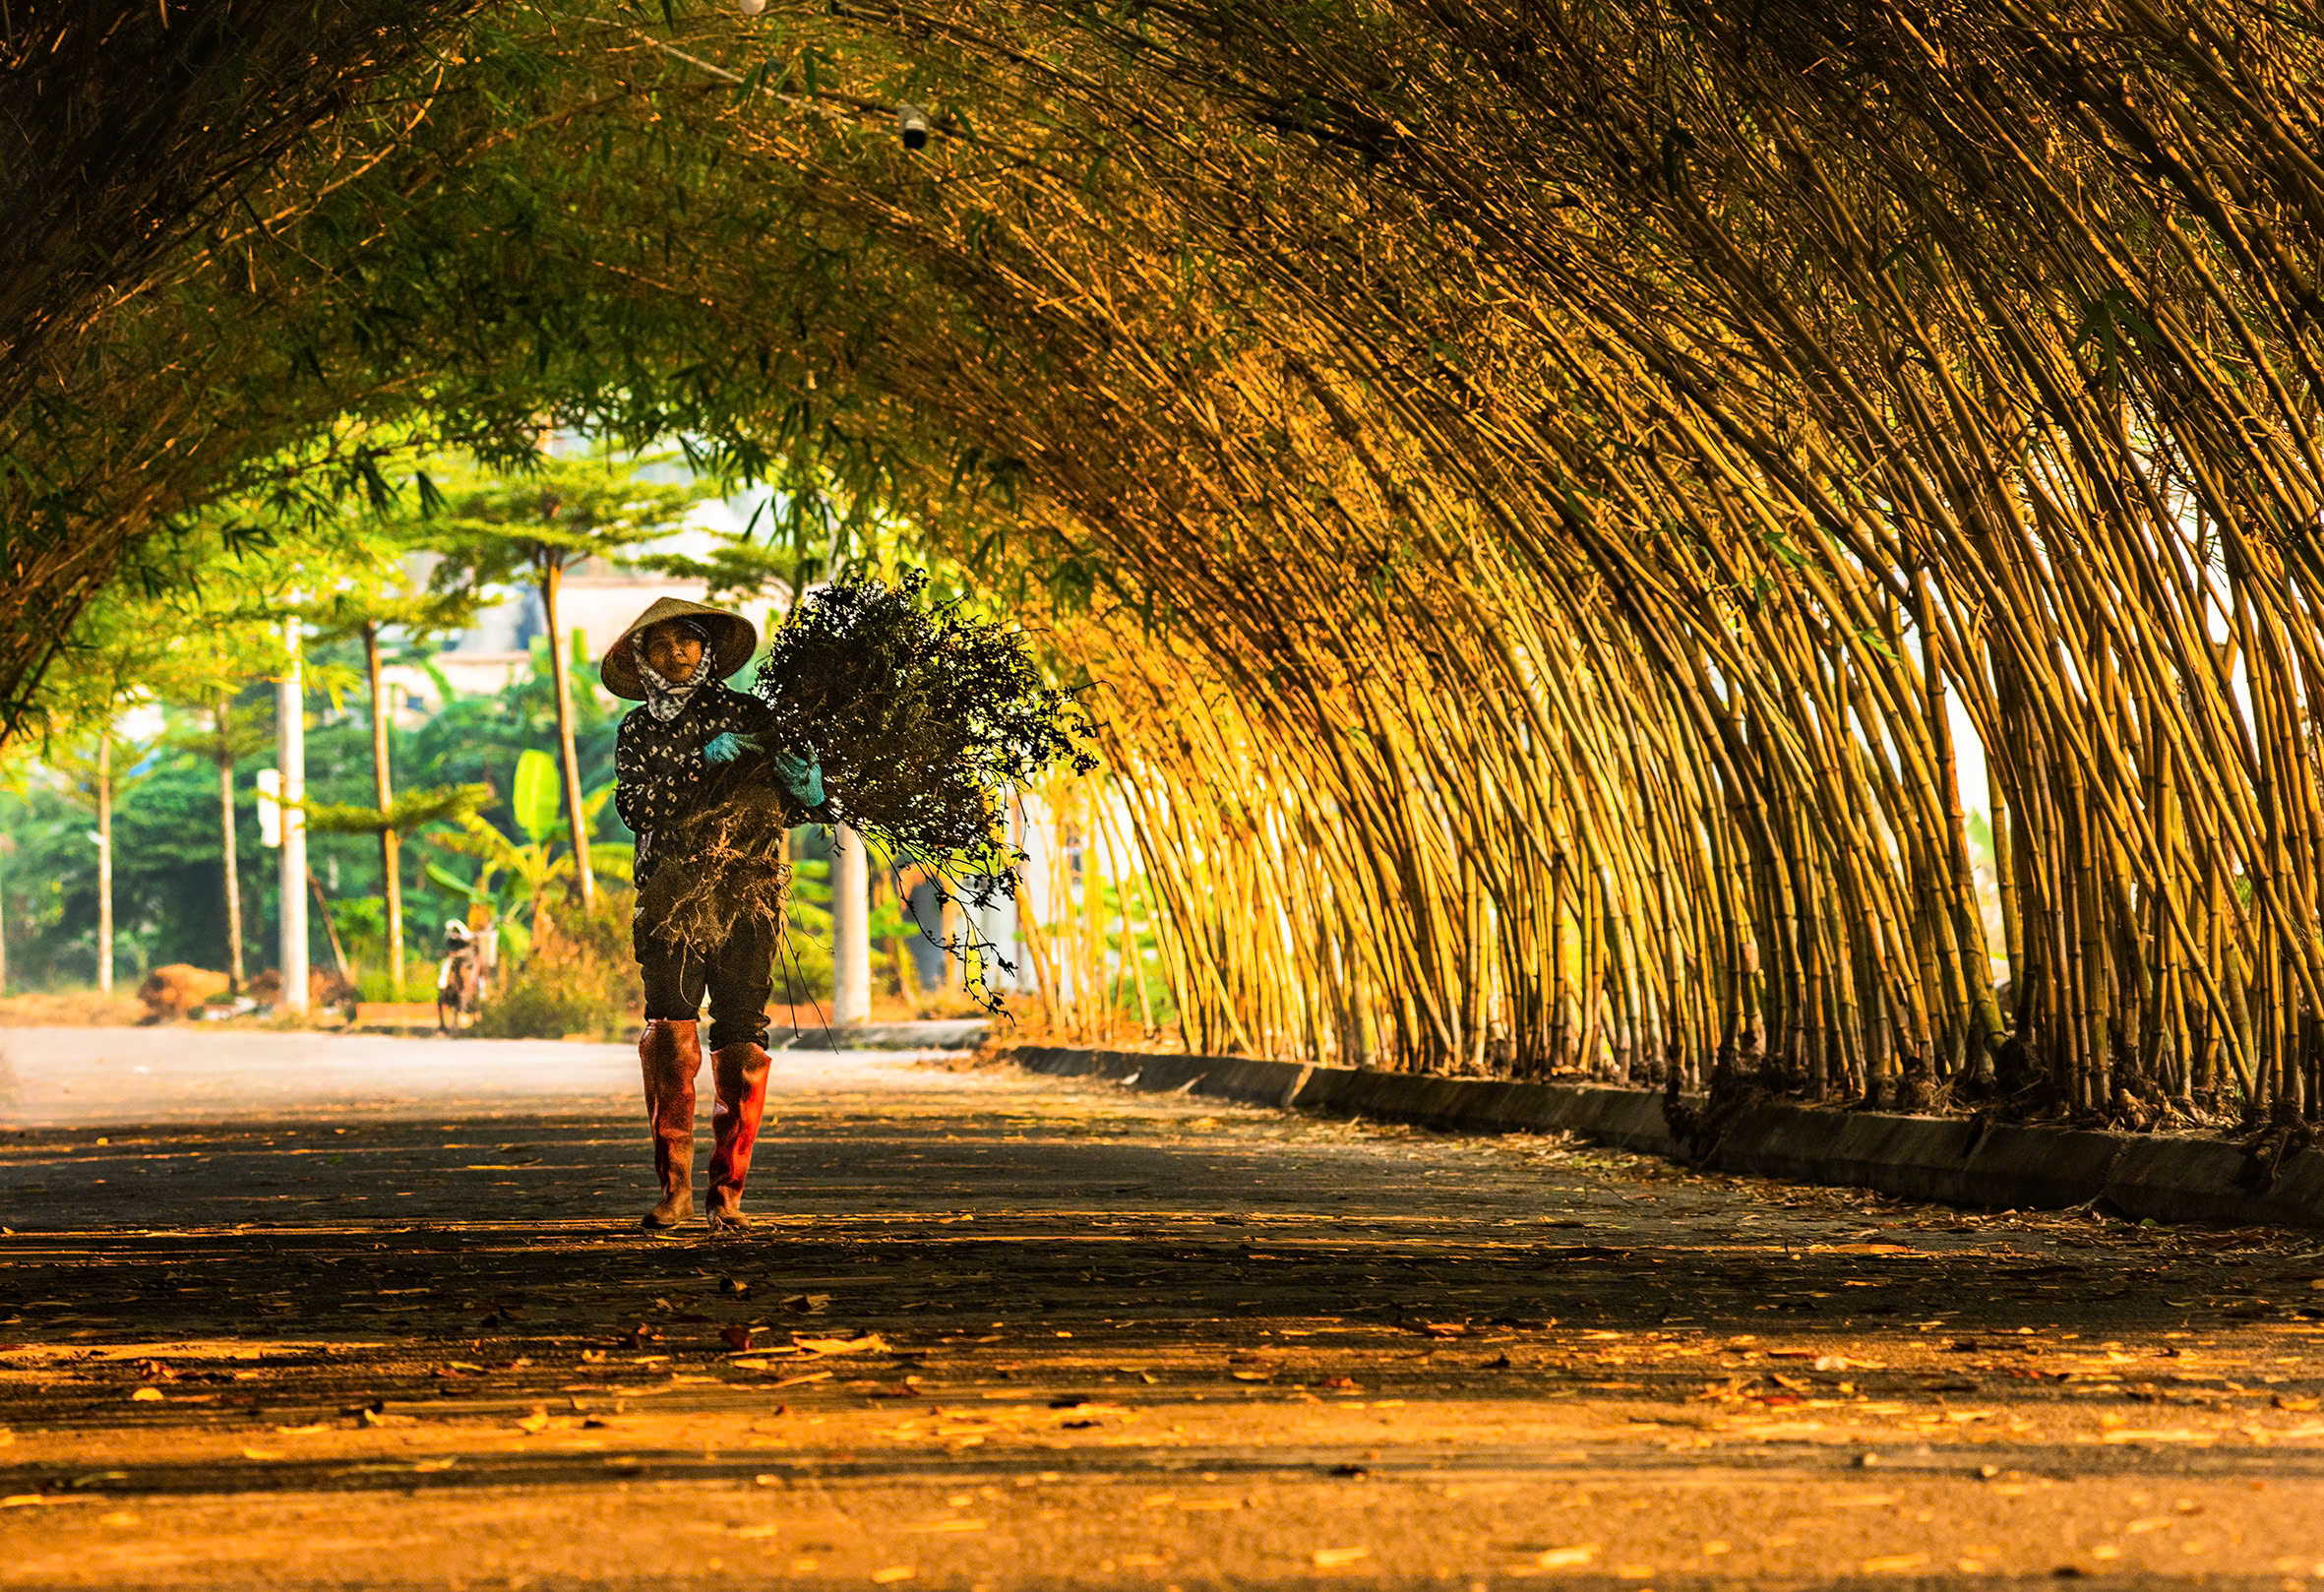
(1556,495)
(1542,487)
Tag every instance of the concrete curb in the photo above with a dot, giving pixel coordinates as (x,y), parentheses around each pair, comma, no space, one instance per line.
(1950,1159)
(946,1033)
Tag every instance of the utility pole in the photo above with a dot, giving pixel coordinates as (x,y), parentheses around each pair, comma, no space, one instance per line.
(851,930)
(104,860)
(290,754)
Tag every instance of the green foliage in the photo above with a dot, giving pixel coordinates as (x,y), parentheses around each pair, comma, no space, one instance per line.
(737,570)
(412,811)
(537,793)
(803,958)
(495,529)
(168,894)
(514,880)
(579,979)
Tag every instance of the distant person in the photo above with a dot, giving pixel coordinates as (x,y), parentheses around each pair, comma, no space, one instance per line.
(674,661)
(460,977)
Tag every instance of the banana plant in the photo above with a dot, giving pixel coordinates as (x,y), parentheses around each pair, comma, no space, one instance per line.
(511,876)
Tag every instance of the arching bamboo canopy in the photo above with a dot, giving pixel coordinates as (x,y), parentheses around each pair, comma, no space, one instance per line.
(1539,486)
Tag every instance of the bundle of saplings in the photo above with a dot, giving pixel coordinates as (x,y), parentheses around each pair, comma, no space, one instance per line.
(921,717)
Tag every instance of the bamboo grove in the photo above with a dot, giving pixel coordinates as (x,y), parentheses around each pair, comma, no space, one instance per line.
(144,149)
(1536,487)
(1533,481)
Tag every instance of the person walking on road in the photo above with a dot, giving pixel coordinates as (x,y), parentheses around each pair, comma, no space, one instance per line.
(674,661)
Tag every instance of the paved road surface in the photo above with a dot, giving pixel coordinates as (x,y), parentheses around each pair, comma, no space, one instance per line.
(278,1310)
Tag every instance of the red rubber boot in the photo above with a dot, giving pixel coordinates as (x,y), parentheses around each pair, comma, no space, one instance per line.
(740,1074)
(670,1054)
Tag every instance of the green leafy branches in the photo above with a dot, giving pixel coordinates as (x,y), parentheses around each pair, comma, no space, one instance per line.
(497,529)
(410,811)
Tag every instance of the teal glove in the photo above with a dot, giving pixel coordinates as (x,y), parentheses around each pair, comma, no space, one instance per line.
(728,746)
(802,777)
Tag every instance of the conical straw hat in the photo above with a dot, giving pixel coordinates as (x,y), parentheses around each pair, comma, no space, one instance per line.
(733,639)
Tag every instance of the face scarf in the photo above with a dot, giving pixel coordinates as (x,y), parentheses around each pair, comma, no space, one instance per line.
(664,699)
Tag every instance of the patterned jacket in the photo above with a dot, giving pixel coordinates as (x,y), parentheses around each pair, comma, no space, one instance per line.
(658,770)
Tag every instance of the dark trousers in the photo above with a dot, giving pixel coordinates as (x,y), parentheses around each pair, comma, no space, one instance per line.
(739,976)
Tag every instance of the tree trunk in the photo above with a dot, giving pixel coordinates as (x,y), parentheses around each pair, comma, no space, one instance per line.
(389,843)
(104,862)
(338,952)
(290,754)
(568,760)
(234,876)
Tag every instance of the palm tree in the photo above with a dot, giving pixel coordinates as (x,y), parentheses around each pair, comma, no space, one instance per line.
(537,528)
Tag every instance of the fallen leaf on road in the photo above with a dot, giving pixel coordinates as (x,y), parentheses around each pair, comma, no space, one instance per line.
(1896,1563)
(1332,1558)
(537,1421)
(807,1304)
(893,1572)
(1551,1559)
(737,1338)
(145,1395)
(868,1343)
(262,1454)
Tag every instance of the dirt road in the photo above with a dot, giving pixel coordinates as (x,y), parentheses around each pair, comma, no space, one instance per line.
(280,1311)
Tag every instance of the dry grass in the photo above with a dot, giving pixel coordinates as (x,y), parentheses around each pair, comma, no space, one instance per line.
(71,1009)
